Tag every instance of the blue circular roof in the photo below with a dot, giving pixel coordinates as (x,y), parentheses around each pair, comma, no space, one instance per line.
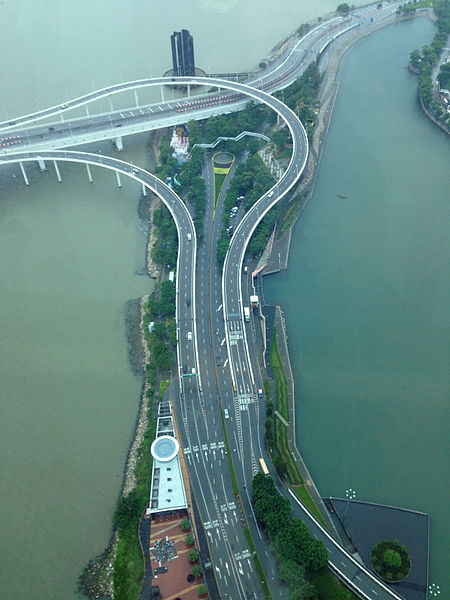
(164,448)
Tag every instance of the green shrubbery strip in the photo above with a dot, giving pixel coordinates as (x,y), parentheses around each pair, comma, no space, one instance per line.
(282,405)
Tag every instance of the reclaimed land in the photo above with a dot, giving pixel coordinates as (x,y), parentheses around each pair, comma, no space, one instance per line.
(96,580)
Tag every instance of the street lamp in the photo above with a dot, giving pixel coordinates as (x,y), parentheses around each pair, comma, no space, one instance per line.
(350,494)
(433,590)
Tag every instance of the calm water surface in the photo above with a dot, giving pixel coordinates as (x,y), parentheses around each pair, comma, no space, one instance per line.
(69,253)
(367,294)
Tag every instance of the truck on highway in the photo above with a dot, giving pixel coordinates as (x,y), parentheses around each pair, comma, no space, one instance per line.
(246,313)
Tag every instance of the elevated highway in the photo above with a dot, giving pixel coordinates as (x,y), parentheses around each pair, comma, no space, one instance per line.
(200,416)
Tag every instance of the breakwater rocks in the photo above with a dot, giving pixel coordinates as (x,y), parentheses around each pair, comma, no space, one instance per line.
(96,581)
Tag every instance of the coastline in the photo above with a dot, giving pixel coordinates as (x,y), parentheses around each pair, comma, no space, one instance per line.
(96,579)
(100,569)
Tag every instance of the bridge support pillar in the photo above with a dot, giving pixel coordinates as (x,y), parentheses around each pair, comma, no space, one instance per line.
(136,98)
(144,190)
(58,174)
(119,183)
(118,143)
(110,104)
(41,164)
(189,91)
(24,174)
(162,94)
(87,110)
(88,169)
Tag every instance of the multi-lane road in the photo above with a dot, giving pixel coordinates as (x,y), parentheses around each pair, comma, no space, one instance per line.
(216,368)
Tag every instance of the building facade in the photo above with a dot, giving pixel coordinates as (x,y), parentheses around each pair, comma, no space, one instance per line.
(182,53)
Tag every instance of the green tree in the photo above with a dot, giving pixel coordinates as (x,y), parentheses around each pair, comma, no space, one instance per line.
(392,558)
(292,573)
(193,556)
(160,329)
(185,525)
(317,555)
(168,298)
(343,8)
(280,466)
(128,509)
(415,58)
(201,590)
(197,571)
(189,539)
(306,591)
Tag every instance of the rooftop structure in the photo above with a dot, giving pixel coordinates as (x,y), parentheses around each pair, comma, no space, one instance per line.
(167,492)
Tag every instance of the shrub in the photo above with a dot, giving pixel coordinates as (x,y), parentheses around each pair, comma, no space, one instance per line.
(197,571)
(193,556)
(201,589)
(189,539)
(185,525)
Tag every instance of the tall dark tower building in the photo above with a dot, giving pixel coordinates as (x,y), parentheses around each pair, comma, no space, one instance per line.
(182,53)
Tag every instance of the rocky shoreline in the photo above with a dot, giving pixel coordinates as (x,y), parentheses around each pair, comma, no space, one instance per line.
(96,580)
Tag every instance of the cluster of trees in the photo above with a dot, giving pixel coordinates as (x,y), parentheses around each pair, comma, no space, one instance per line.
(425,60)
(301,95)
(444,76)
(250,180)
(165,249)
(298,553)
(411,7)
(192,186)
(161,308)
(231,125)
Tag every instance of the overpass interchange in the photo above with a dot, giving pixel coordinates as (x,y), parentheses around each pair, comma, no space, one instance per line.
(201,419)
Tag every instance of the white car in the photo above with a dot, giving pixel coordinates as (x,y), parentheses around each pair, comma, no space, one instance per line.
(189,237)
(270,194)
(189,335)
(226,413)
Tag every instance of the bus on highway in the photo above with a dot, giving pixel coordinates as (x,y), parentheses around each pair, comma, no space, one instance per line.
(263,465)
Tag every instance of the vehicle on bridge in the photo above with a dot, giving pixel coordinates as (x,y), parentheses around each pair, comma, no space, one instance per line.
(263,466)
(246,313)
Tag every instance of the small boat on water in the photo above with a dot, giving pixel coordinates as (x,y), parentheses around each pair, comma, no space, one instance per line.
(343,196)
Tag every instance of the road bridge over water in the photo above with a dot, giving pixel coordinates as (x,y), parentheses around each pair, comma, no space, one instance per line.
(198,412)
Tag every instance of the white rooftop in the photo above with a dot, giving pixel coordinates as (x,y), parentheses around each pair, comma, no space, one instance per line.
(167,489)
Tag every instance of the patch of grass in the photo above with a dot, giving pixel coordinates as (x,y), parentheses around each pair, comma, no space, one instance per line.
(329,586)
(302,494)
(281,434)
(162,387)
(234,484)
(129,565)
(219,180)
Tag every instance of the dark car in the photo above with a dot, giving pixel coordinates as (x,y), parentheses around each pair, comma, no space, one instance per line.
(118,125)
(188,301)
(51,129)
